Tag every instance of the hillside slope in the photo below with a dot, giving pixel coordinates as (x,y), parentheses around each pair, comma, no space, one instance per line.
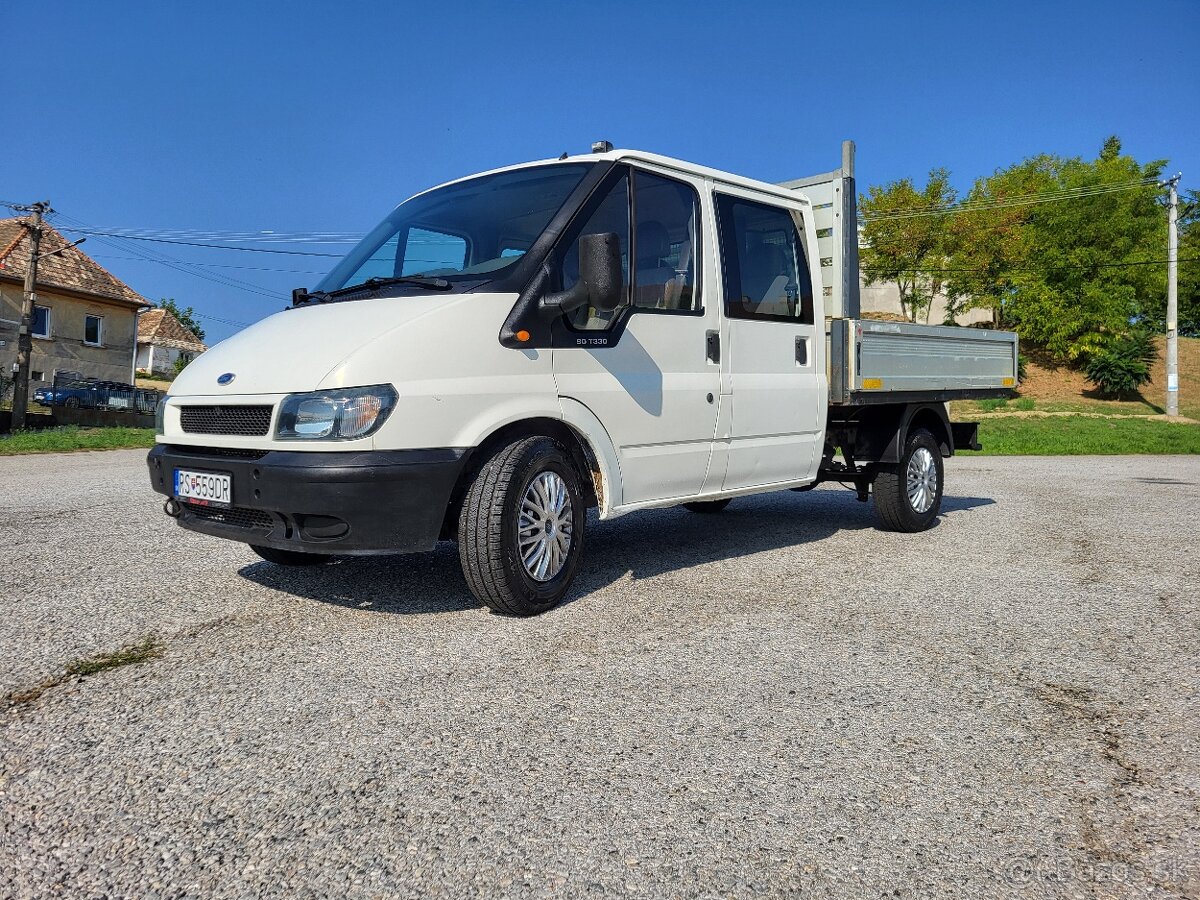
(1058,387)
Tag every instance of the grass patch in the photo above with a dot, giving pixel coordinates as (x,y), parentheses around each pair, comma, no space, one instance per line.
(993,404)
(1085,436)
(72,437)
(130,655)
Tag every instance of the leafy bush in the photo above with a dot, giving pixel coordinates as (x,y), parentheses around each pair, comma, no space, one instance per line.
(1124,365)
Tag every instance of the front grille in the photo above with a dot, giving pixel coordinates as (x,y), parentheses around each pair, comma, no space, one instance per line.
(233,516)
(250,421)
(222,452)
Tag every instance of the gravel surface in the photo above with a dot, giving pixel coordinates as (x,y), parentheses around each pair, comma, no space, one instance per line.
(777,700)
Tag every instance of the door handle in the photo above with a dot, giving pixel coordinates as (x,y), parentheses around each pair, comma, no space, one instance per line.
(802,351)
(712,346)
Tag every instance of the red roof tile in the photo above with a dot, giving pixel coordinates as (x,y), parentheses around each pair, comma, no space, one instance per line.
(161,328)
(72,269)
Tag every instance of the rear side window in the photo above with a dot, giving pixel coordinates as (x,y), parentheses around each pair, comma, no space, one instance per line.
(766,273)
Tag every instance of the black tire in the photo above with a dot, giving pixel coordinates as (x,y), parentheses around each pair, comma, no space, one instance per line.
(489,546)
(708,506)
(71,403)
(893,506)
(291,557)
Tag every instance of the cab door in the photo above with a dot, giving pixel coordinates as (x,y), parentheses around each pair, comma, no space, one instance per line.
(644,370)
(775,357)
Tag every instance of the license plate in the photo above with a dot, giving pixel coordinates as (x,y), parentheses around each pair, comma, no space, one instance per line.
(204,488)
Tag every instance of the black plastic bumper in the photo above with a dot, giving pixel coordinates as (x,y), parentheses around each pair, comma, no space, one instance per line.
(360,502)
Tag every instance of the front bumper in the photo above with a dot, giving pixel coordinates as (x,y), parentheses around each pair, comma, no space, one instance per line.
(357,502)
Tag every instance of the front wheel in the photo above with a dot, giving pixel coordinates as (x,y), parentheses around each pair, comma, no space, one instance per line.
(520,529)
(909,496)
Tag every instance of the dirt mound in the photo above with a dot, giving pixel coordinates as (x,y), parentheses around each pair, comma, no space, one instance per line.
(1048,381)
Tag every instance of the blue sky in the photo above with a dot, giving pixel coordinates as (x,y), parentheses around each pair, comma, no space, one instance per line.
(310,116)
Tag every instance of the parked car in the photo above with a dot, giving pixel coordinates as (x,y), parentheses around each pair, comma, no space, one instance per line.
(89,394)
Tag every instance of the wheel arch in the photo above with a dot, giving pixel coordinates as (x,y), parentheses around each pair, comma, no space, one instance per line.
(878,434)
(934,419)
(593,475)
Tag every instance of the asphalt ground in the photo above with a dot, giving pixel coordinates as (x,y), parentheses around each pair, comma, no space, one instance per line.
(778,700)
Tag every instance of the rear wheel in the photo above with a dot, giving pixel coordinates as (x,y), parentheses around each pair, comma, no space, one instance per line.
(909,496)
(291,557)
(520,529)
(707,506)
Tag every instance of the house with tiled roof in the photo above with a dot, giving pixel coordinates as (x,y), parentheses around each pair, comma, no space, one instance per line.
(85,318)
(163,339)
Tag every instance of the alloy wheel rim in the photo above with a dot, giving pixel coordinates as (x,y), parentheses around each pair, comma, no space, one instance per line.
(545,526)
(922,480)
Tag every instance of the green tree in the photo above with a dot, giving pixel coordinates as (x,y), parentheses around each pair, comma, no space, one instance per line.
(1189,265)
(903,243)
(186,317)
(1123,366)
(1071,272)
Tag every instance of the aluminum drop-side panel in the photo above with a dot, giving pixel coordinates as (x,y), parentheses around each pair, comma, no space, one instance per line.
(890,356)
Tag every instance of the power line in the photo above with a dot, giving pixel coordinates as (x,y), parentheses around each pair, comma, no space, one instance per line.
(934,270)
(98,233)
(262,237)
(178,265)
(1019,200)
(210,265)
(1009,202)
(1055,192)
(222,321)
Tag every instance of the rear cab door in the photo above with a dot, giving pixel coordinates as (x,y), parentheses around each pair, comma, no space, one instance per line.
(773,363)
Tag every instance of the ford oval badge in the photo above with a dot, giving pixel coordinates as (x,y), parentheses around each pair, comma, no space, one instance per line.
(227,378)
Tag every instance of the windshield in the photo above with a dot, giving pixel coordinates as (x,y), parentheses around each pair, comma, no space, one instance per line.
(472,229)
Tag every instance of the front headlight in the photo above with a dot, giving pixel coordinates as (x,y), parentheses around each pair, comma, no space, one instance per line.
(160,412)
(338,415)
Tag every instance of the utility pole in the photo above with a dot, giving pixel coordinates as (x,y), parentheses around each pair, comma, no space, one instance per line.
(1173,298)
(20,404)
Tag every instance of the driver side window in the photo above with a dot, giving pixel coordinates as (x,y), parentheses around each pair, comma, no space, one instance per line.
(612,215)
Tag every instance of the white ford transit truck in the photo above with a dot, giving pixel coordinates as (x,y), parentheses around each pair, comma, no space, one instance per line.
(616,330)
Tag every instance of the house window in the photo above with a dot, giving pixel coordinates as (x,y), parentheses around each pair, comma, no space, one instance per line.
(93,330)
(41,322)
(35,375)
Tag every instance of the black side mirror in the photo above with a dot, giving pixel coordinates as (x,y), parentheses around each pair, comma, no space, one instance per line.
(600,284)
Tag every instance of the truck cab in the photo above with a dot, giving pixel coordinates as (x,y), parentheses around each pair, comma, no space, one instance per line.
(616,330)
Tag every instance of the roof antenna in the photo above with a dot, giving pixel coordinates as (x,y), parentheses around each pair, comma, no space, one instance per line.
(564,155)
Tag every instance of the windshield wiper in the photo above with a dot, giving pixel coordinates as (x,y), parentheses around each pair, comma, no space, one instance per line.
(425,281)
(430,283)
